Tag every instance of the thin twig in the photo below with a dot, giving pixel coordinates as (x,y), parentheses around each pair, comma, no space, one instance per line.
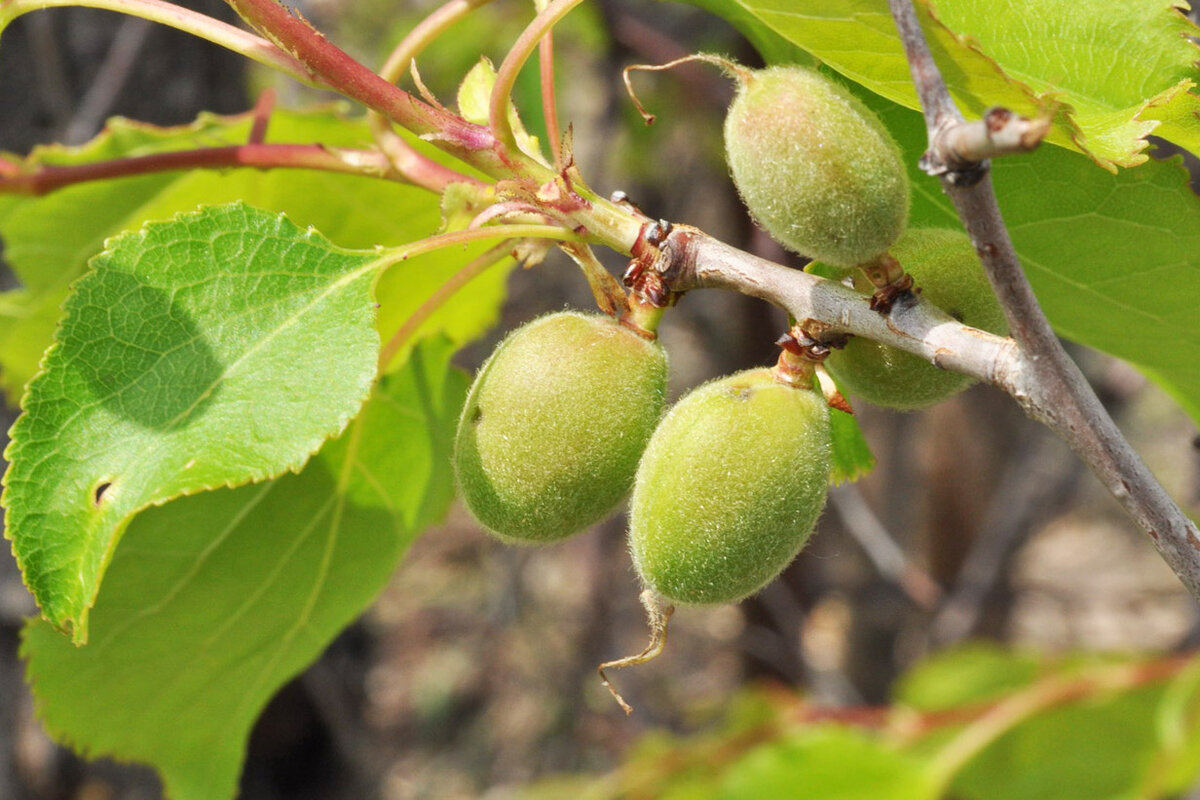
(881,548)
(111,76)
(1051,389)
(49,178)
(518,54)
(1034,370)
(171,15)
(938,107)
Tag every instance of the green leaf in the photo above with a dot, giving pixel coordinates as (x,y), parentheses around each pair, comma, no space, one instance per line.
(1114,259)
(474,102)
(826,763)
(1084,751)
(852,458)
(215,601)
(773,47)
(970,674)
(1177,722)
(219,348)
(1122,68)
(48,240)
(1118,73)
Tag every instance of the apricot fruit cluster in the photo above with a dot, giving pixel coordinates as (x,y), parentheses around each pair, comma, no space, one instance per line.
(564,419)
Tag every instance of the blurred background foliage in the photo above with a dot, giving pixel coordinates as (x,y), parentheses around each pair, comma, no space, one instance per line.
(975,619)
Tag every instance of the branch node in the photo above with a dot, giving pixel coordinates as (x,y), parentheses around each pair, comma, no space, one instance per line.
(960,151)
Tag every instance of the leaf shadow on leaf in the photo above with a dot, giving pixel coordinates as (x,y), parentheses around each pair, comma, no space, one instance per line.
(146,360)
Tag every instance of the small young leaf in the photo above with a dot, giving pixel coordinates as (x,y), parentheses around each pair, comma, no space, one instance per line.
(852,458)
(474,100)
(220,348)
(213,602)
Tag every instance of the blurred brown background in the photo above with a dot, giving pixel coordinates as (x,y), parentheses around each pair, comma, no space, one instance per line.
(474,674)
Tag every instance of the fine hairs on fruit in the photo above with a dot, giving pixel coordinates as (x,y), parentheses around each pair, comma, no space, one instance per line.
(554,424)
(946,268)
(815,168)
(729,488)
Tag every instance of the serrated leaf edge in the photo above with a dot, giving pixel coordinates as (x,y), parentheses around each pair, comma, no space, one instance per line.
(1066,113)
(77,628)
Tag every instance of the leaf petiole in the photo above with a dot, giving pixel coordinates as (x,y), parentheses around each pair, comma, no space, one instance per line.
(233,38)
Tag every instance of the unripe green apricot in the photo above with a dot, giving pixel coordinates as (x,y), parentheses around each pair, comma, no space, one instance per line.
(814,166)
(946,268)
(555,423)
(729,488)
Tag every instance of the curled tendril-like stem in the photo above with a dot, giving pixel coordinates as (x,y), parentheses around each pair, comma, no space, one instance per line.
(730,68)
(658,614)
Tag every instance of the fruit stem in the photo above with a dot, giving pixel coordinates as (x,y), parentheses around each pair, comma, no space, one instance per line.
(731,68)
(642,318)
(794,370)
(890,280)
(658,614)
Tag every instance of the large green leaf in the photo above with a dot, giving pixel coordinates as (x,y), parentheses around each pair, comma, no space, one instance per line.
(214,601)
(1119,71)
(219,348)
(48,240)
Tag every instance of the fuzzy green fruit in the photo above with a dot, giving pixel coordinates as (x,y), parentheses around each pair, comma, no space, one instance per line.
(814,166)
(946,268)
(729,488)
(555,423)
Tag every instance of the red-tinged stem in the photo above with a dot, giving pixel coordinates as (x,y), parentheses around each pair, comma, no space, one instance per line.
(549,101)
(339,71)
(171,15)
(443,293)
(261,114)
(506,76)
(403,156)
(47,179)
(394,255)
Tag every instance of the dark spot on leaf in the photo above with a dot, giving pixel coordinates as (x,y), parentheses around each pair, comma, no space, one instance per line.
(476,415)
(98,492)
(957,314)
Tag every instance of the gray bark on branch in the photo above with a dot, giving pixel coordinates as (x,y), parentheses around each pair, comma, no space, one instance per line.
(1032,367)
